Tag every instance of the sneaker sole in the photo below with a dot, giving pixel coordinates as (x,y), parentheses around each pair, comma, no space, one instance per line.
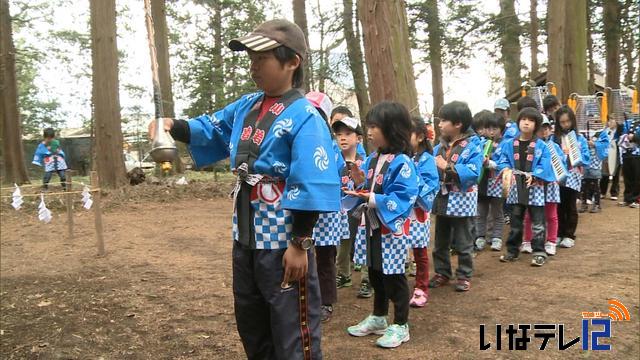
(360,296)
(344,285)
(376,332)
(509,260)
(395,345)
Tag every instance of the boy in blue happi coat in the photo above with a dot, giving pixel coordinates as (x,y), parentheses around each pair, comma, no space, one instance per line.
(526,164)
(50,156)
(459,161)
(281,150)
(599,151)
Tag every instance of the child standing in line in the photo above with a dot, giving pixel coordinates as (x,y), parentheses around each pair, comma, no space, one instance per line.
(331,227)
(528,161)
(630,150)
(340,112)
(348,135)
(567,210)
(50,156)
(490,202)
(611,167)
(598,148)
(552,196)
(459,160)
(419,230)
(386,197)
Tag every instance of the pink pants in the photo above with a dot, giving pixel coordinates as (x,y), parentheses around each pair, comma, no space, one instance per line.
(551,219)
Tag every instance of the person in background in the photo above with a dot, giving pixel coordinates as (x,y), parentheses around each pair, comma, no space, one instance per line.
(49,155)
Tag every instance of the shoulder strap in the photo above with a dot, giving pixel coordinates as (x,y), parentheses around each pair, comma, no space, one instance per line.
(254,132)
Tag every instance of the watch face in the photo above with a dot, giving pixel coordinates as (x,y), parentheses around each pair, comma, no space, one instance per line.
(307,243)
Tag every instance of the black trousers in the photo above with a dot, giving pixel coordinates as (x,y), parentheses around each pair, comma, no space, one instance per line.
(390,287)
(590,191)
(326,258)
(454,233)
(631,173)
(275,322)
(567,213)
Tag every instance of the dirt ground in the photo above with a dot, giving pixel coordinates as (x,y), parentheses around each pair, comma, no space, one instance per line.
(164,289)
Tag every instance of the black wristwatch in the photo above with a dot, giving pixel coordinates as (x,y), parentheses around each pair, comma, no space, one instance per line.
(304,243)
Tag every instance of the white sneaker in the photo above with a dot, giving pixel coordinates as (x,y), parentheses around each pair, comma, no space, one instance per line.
(526,248)
(550,248)
(567,243)
(371,325)
(480,243)
(589,201)
(613,197)
(496,244)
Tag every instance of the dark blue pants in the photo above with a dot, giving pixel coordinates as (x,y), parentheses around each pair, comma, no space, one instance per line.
(275,323)
(49,174)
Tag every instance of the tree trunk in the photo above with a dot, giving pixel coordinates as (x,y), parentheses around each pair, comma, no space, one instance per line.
(161,38)
(611,9)
(11,129)
(591,65)
(108,137)
(355,59)
(510,45)
(575,62)
(533,29)
(628,43)
(435,55)
(218,71)
(300,18)
(556,14)
(158,14)
(388,52)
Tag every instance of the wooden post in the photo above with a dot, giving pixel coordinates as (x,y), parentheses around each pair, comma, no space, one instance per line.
(95,184)
(69,201)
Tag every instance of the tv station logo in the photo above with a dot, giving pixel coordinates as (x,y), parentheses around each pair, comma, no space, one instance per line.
(596,328)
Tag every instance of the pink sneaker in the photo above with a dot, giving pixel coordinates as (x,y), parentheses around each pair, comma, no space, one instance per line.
(419,298)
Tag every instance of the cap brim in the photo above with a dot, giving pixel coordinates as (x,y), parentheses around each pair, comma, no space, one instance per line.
(253,42)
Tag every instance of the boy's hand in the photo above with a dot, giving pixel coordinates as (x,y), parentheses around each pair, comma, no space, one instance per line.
(295,264)
(168,124)
(529,180)
(441,163)
(565,150)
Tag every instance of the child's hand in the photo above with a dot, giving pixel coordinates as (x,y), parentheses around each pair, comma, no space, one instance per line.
(591,143)
(529,180)
(364,195)
(356,174)
(565,150)
(168,124)
(441,163)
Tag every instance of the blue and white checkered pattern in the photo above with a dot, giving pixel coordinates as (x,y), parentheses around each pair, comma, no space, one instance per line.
(273,225)
(494,188)
(54,162)
(419,233)
(360,246)
(394,251)
(331,228)
(536,195)
(552,193)
(574,180)
(595,162)
(463,204)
